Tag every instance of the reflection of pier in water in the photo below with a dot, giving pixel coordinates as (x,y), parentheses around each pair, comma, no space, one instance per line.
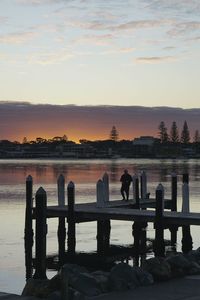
(102,211)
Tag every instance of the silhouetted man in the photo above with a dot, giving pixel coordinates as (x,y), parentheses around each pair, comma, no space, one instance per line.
(126,181)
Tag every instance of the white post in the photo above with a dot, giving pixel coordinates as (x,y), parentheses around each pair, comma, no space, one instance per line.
(134,186)
(105,179)
(143,185)
(61,190)
(100,193)
(185,198)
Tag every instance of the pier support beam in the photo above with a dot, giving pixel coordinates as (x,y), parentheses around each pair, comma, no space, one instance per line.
(159,245)
(61,221)
(103,237)
(41,232)
(28,231)
(71,241)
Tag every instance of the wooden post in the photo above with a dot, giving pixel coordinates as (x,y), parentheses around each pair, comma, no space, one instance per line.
(100,193)
(136,195)
(106,187)
(71,241)
(173,228)
(64,285)
(41,231)
(136,232)
(61,221)
(28,231)
(186,178)
(100,238)
(103,226)
(143,180)
(186,235)
(159,245)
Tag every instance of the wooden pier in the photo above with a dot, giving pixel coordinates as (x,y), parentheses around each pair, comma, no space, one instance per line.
(103,211)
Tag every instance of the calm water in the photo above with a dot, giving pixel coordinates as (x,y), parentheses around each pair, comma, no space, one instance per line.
(85,174)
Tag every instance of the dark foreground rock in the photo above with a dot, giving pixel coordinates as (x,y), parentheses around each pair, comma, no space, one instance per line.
(81,283)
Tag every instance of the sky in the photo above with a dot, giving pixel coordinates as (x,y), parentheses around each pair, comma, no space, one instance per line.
(100,52)
(23,119)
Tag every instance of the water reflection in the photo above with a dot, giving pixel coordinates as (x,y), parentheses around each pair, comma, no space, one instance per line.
(13,171)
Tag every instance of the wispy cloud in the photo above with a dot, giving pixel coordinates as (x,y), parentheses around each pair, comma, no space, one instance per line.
(183,28)
(174,6)
(98,40)
(39,2)
(154,59)
(118,51)
(17,37)
(47,58)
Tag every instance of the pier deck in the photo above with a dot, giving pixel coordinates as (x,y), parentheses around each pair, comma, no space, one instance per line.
(124,211)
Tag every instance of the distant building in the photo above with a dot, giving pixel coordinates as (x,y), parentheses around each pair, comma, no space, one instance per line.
(145,145)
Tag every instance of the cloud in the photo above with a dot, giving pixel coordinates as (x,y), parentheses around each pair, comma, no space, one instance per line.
(97,40)
(154,59)
(17,37)
(39,2)
(118,51)
(169,48)
(141,24)
(47,58)
(184,28)
(90,122)
(179,7)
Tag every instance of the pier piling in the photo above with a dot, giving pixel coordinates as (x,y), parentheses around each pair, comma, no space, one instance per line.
(173,228)
(41,232)
(61,220)
(28,231)
(71,241)
(159,245)
(186,234)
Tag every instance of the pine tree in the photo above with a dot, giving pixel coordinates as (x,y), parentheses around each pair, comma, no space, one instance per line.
(196,136)
(114,134)
(185,134)
(163,135)
(174,135)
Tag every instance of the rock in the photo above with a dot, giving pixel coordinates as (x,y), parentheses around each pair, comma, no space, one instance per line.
(37,287)
(144,277)
(194,255)
(158,268)
(194,269)
(102,279)
(122,277)
(85,283)
(179,264)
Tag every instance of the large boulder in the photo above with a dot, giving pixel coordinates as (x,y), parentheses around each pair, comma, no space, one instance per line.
(158,268)
(85,283)
(38,287)
(194,255)
(144,277)
(179,264)
(122,277)
(102,279)
(80,280)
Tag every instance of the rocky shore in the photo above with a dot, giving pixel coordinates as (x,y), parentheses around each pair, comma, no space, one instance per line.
(77,283)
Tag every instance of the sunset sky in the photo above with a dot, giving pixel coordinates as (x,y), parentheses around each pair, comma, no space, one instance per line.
(100,52)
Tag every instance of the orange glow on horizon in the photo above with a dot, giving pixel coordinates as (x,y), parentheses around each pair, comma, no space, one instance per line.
(77,138)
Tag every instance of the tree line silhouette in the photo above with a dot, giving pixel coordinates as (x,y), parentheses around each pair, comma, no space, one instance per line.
(174,136)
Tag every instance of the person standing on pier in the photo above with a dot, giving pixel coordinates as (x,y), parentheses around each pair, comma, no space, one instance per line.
(126,181)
